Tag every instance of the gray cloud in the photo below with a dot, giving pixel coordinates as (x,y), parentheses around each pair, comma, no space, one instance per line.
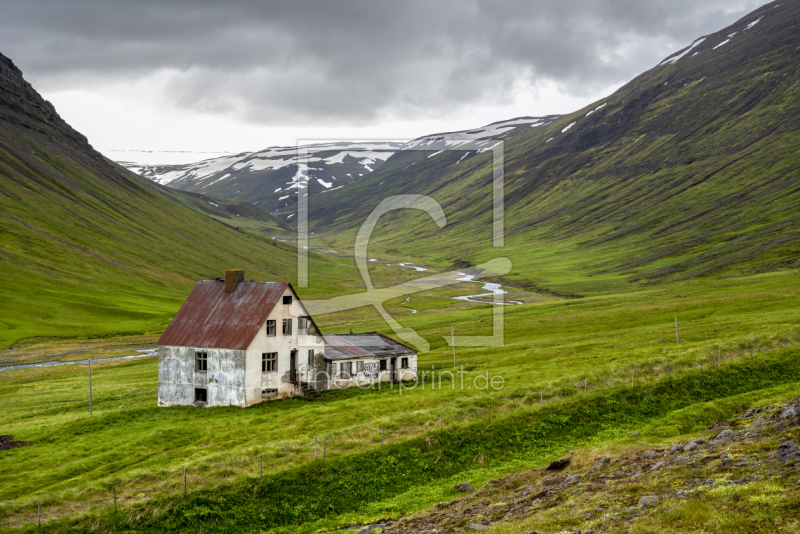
(295,61)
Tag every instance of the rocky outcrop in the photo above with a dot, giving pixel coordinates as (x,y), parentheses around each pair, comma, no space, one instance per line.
(7,442)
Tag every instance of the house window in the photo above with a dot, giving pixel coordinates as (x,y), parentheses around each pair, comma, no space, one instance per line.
(200,395)
(270,327)
(346,369)
(359,367)
(310,357)
(383,365)
(287,299)
(302,325)
(269,362)
(287,327)
(201,361)
(404,363)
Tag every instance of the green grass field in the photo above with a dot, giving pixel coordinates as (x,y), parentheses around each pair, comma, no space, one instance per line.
(552,346)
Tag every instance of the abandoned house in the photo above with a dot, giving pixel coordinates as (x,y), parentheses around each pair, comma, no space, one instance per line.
(236,343)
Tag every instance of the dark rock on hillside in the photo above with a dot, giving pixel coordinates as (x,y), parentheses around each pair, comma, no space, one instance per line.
(465,487)
(21,104)
(7,442)
(559,465)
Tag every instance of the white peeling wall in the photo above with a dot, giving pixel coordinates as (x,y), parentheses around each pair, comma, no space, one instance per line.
(224,380)
(283,345)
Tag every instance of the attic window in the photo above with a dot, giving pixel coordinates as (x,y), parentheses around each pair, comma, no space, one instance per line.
(287,299)
(302,325)
(270,327)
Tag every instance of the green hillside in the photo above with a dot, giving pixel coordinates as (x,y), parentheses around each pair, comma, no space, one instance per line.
(88,248)
(690,169)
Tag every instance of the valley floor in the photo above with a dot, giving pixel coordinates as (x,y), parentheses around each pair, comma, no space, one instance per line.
(556,352)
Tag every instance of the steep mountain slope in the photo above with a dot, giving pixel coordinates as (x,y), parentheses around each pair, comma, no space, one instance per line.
(689,169)
(88,248)
(269,178)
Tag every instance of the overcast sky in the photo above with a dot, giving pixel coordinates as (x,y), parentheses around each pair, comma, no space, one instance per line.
(210,77)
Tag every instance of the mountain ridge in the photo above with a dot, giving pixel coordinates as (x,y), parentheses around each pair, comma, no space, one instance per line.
(91,249)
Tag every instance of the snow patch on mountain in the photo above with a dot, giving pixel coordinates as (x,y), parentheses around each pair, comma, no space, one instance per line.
(598,108)
(476,139)
(674,58)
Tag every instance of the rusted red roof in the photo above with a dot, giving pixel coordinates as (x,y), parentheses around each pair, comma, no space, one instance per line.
(212,318)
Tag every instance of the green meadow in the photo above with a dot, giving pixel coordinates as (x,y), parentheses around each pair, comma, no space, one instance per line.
(568,356)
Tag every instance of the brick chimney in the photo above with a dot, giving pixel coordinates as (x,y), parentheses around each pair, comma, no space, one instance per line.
(232,279)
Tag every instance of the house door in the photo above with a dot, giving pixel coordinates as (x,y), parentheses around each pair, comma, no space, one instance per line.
(293,367)
(393,363)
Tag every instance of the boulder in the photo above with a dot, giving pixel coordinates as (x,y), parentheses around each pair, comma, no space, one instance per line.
(648,500)
(676,448)
(788,412)
(476,526)
(601,463)
(758,422)
(690,446)
(633,435)
(571,479)
(525,490)
(681,494)
(681,460)
(725,436)
(465,487)
(787,449)
(658,466)
(649,455)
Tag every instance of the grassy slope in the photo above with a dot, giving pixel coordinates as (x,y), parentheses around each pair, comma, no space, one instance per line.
(690,169)
(140,449)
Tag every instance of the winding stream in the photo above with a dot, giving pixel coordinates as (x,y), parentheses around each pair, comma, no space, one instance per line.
(491,287)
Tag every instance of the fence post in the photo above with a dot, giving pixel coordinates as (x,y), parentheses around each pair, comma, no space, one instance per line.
(669,371)
(633,376)
(490,412)
(39,515)
(115,499)
(261,465)
(316,449)
(585,387)
(541,398)
(184,482)
(324,446)
(441,421)
(90,387)
(751,352)
(381,436)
